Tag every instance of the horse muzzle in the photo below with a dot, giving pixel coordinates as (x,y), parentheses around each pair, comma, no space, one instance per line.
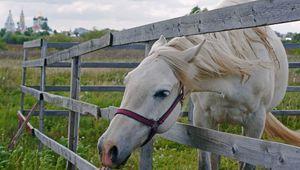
(111,154)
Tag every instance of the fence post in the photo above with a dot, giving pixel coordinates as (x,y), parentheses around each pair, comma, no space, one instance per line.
(42,88)
(147,150)
(23,82)
(190,113)
(74,117)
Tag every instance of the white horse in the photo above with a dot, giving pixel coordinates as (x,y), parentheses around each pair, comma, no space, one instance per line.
(234,76)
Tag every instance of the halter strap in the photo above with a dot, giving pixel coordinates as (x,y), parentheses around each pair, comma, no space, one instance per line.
(153,124)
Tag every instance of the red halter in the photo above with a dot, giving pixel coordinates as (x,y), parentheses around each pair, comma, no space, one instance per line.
(153,124)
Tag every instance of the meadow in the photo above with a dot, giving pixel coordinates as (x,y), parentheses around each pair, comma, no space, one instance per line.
(167,155)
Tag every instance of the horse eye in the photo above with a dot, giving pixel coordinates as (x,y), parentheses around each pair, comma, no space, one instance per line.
(162,94)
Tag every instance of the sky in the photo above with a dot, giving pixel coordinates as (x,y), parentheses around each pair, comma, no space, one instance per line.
(114,14)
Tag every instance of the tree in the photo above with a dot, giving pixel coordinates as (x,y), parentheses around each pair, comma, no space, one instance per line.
(296,38)
(2,32)
(197,10)
(45,27)
(28,32)
(3,45)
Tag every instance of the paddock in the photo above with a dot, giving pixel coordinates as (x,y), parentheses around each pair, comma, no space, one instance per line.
(254,151)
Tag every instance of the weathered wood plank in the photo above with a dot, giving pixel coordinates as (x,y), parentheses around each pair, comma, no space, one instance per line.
(294,65)
(49,113)
(78,161)
(108,113)
(117,88)
(42,88)
(34,63)
(33,44)
(23,81)
(258,13)
(80,49)
(36,93)
(13,141)
(71,104)
(65,102)
(147,150)
(73,124)
(286,112)
(83,88)
(250,150)
(22,118)
(293,89)
(291,45)
(95,65)
(61,45)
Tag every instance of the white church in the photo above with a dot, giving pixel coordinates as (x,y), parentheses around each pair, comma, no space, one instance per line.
(10,24)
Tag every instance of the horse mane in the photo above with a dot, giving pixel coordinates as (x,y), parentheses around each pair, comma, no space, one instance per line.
(223,53)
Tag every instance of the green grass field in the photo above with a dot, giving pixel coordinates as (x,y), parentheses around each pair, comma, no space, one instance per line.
(167,155)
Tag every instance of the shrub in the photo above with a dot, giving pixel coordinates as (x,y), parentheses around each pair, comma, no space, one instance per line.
(3,45)
(93,34)
(61,38)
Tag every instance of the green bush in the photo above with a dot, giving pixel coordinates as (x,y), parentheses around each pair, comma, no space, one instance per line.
(12,38)
(3,45)
(61,38)
(93,34)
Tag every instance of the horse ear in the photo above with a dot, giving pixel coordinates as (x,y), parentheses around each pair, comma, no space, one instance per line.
(189,54)
(160,42)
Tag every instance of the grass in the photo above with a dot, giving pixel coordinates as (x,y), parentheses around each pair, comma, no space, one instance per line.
(167,155)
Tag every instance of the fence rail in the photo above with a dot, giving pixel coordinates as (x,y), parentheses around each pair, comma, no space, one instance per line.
(259,13)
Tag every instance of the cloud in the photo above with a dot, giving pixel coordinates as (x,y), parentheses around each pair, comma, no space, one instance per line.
(119,14)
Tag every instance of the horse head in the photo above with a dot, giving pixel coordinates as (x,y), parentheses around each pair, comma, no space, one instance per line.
(151,104)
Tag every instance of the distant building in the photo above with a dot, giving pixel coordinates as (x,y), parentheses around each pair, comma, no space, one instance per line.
(40,23)
(9,24)
(79,31)
(21,23)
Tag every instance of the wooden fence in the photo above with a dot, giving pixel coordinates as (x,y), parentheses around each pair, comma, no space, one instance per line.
(258,152)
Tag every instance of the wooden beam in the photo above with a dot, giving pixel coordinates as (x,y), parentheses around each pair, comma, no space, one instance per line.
(63,151)
(42,88)
(291,45)
(21,128)
(146,153)
(294,65)
(34,63)
(65,102)
(61,45)
(117,88)
(34,92)
(49,113)
(33,44)
(83,88)
(286,112)
(74,117)
(108,113)
(22,118)
(245,149)
(253,14)
(80,49)
(71,104)
(95,65)
(293,89)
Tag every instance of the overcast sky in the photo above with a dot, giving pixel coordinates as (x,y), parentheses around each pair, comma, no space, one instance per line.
(114,14)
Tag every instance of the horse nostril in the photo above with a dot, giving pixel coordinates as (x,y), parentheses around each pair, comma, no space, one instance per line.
(113,153)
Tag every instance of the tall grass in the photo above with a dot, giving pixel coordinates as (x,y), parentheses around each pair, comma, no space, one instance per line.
(167,155)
